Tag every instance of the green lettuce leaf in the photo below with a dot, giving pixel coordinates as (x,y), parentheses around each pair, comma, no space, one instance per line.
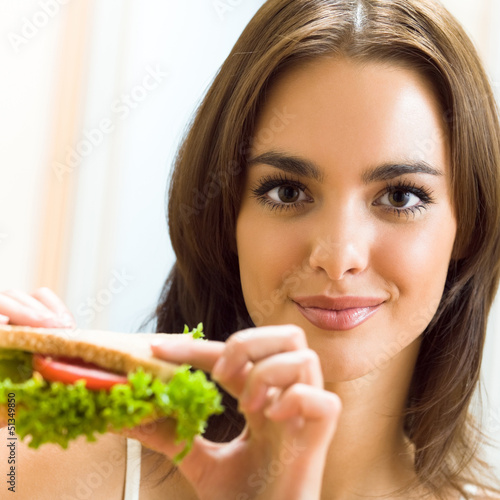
(197,332)
(15,364)
(58,413)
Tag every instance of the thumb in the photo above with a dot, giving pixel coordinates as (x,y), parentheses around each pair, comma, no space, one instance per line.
(161,436)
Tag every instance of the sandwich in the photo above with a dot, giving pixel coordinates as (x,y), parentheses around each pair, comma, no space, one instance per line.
(59,384)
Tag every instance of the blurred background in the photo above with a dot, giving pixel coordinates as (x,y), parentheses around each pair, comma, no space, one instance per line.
(95,100)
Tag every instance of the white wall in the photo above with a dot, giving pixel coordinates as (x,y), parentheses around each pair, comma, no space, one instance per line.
(122,230)
(28,56)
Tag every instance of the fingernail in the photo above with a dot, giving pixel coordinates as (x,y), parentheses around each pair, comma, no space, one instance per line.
(157,342)
(168,344)
(50,320)
(66,320)
(4,319)
(173,349)
(43,315)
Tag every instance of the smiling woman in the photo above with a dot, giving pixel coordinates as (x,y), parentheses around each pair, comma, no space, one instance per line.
(368,216)
(343,259)
(378,221)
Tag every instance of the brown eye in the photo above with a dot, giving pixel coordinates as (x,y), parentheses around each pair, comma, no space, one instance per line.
(399,198)
(281,193)
(403,200)
(288,194)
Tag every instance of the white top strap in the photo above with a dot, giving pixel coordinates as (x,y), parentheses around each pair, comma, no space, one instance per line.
(133,472)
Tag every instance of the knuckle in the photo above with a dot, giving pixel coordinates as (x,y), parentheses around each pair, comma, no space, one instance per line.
(236,343)
(298,390)
(238,340)
(310,357)
(242,335)
(297,336)
(333,401)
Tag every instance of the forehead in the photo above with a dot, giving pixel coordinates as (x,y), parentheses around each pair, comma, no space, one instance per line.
(338,109)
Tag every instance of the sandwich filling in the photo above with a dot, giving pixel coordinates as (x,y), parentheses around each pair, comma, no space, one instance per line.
(59,399)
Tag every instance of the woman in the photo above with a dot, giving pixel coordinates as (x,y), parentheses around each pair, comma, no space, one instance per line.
(339,190)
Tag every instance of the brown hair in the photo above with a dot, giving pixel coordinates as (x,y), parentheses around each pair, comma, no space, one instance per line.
(204,284)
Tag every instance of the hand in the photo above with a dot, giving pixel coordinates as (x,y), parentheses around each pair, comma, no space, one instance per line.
(43,308)
(290,418)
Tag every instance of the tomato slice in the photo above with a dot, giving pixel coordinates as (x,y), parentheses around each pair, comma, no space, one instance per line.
(69,370)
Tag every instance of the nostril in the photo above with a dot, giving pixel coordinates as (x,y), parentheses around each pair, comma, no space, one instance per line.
(338,259)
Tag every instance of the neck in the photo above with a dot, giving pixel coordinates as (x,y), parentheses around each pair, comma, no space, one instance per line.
(369,454)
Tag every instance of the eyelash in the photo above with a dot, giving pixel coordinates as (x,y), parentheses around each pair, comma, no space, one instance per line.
(424,194)
(268,183)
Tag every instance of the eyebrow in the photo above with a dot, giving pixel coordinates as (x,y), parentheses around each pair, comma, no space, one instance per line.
(291,164)
(389,171)
(305,168)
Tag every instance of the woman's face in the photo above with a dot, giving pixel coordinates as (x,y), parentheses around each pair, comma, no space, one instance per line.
(346,226)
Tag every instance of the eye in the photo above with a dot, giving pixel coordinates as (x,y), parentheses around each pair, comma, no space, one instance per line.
(281,193)
(405,198)
(400,198)
(287,194)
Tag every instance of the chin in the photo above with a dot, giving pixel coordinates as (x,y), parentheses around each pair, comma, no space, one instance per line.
(365,363)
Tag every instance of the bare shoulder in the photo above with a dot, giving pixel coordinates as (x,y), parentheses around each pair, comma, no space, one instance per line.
(85,470)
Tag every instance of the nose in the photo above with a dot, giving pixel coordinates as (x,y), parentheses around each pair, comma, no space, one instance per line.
(341,244)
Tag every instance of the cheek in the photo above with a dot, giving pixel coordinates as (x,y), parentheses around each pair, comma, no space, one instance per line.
(267,256)
(410,261)
(416,262)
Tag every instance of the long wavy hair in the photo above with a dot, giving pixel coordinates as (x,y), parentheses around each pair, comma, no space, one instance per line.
(204,198)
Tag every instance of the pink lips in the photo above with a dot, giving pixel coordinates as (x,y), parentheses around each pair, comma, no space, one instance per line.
(337,313)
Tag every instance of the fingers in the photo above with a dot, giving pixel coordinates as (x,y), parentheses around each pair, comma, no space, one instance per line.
(248,349)
(22,309)
(20,314)
(281,371)
(201,354)
(256,350)
(158,435)
(310,403)
(279,384)
(256,344)
(161,436)
(52,302)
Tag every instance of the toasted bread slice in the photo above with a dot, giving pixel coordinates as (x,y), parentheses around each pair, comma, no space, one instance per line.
(114,351)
